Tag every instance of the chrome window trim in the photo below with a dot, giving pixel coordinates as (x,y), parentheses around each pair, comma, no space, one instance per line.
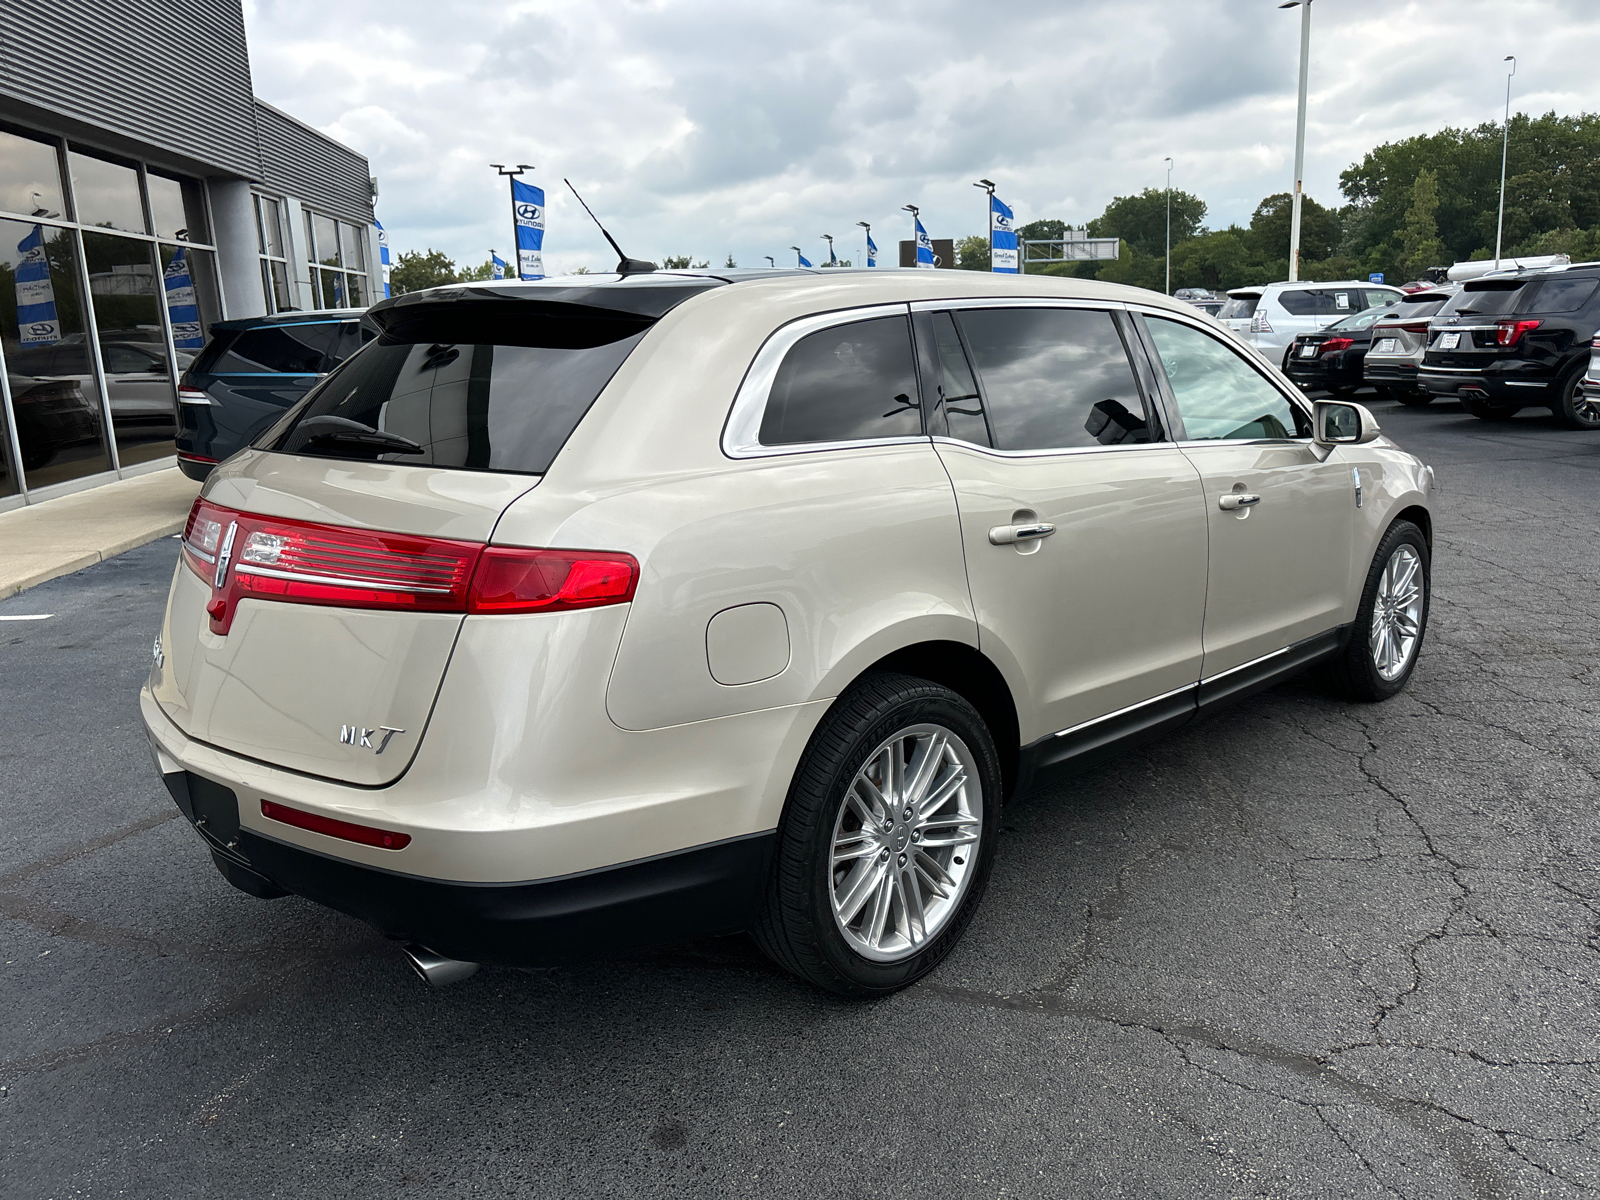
(741,433)
(1177,691)
(922,306)
(940,439)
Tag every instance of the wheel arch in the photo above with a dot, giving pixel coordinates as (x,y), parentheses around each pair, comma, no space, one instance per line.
(1418,516)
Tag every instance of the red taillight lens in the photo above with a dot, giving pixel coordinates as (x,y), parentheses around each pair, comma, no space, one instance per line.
(1334,345)
(383,839)
(1406,327)
(509,579)
(1509,333)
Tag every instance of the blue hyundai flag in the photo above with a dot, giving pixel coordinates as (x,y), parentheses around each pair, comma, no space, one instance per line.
(527,205)
(804,261)
(924,246)
(383,254)
(833,259)
(872,252)
(36,297)
(498,266)
(1002,238)
(181,307)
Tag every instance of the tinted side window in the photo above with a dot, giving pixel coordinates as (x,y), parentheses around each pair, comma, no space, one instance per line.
(351,338)
(1305,304)
(845,383)
(1054,378)
(1381,299)
(963,407)
(279,350)
(1219,394)
(1562,295)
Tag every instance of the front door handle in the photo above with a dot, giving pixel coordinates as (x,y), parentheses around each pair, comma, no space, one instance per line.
(1235,500)
(1010,535)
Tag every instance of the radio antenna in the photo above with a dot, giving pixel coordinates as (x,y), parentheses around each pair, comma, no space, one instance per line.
(625,265)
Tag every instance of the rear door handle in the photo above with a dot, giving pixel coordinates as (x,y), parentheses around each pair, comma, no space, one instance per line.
(1010,535)
(1235,500)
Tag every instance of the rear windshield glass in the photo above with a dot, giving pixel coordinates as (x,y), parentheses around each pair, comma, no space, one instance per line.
(1362,320)
(1561,295)
(1415,308)
(272,350)
(416,396)
(1490,299)
(1238,307)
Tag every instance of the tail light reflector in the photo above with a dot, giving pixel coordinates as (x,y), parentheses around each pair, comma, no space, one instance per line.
(303,562)
(1334,345)
(367,835)
(1509,333)
(191,395)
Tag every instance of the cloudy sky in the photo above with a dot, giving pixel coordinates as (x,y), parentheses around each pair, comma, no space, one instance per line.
(710,127)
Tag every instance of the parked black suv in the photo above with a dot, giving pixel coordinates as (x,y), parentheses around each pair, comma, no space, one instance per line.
(1508,342)
(250,372)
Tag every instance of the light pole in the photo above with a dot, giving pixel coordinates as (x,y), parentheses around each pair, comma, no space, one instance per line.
(1505,142)
(797,255)
(916,220)
(1299,134)
(1169,226)
(771,262)
(868,228)
(988,198)
(516,242)
(833,258)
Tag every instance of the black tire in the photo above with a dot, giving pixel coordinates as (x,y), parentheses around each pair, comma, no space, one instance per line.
(796,925)
(1572,409)
(1485,411)
(1353,674)
(1411,398)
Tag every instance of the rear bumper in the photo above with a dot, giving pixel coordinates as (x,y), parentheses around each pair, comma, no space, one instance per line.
(1389,373)
(1499,387)
(703,889)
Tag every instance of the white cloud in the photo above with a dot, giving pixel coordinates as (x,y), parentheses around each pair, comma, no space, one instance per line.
(704,126)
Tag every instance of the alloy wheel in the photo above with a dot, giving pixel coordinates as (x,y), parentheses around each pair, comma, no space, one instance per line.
(905,842)
(1397,613)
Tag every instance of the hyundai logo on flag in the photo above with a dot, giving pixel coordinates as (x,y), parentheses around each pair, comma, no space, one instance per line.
(42,328)
(1002,222)
(529,213)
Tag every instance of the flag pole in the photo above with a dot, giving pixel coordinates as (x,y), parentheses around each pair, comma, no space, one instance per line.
(988,195)
(511,180)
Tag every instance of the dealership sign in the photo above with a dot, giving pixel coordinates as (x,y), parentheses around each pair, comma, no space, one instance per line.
(36,297)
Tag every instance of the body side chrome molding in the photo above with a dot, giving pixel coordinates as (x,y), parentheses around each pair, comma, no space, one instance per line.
(1122,712)
(1245,666)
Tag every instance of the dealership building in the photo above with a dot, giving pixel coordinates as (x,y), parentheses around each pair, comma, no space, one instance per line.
(145,193)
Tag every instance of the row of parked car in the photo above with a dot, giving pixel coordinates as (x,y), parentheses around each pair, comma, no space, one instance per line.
(1497,342)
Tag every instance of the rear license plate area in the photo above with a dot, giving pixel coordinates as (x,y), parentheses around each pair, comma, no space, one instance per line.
(1309,350)
(1386,346)
(1447,341)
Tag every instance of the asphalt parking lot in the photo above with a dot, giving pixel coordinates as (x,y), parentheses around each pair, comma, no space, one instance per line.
(1301,949)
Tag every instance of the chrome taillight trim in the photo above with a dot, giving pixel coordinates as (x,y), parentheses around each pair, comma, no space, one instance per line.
(336,581)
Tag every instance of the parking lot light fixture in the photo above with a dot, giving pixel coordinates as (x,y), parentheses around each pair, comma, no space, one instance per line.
(1299,135)
(1505,142)
(1169,226)
(771,262)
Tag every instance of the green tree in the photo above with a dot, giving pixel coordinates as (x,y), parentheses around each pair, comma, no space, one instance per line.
(412,272)
(679,262)
(1420,247)
(481,273)
(1141,220)
(730,262)
(972,253)
(1321,230)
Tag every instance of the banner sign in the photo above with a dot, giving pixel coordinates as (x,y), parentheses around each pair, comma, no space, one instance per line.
(383,255)
(36,298)
(181,307)
(924,246)
(804,261)
(497,266)
(527,207)
(872,252)
(1002,238)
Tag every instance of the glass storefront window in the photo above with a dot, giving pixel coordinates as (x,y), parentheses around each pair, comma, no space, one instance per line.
(351,239)
(333,290)
(275,282)
(176,208)
(189,281)
(54,399)
(271,227)
(126,294)
(326,232)
(356,296)
(30,176)
(105,192)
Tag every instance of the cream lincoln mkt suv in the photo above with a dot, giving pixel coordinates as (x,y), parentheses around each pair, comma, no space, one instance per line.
(570,615)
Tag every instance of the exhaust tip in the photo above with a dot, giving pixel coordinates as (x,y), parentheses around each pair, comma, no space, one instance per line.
(435,969)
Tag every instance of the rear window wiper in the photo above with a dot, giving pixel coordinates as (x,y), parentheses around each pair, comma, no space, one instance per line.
(352,435)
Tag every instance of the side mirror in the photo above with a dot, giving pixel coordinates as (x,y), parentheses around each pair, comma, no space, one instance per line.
(1340,424)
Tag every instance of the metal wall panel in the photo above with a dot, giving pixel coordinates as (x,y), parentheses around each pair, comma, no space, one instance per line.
(298,161)
(173,74)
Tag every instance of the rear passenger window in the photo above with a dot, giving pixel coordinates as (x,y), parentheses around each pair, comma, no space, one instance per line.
(963,408)
(1381,299)
(279,350)
(845,383)
(1308,303)
(1219,394)
(1053,378)
(1562,295)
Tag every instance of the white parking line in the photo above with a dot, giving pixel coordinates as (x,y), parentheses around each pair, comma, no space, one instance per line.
(28,617)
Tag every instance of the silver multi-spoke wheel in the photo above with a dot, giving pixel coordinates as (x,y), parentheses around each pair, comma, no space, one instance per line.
(1397,613)
(905,842)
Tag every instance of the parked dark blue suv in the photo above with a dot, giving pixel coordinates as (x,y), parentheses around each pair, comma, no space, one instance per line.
(250,372)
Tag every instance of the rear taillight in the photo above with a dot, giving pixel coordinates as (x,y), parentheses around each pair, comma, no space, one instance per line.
(1509,333)
(1260,324)
(514,580)
(367,835)
(243,555)
(189,395)
(1420,327)
(1333,345)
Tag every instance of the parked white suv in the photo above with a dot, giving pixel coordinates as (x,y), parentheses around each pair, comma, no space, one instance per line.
(572,614)
(1271,316)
